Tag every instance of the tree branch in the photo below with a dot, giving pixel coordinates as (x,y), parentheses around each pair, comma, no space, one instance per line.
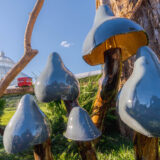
(29,53)
(32,19)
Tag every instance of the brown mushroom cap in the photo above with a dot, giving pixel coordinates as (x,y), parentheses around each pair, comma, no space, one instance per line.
(109,32)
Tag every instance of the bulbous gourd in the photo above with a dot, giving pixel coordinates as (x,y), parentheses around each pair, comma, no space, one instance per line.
(27,127)
(139,99)
(56,82)
(80,126)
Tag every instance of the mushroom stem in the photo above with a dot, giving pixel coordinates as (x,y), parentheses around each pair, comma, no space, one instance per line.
(145,148)
(108,86)
(70,104)
(86,149)
(43,151)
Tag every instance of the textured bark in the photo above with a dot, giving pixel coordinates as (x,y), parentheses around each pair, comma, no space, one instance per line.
(146,13)
(29,53)
(145,148)
(43,151)
(87,151)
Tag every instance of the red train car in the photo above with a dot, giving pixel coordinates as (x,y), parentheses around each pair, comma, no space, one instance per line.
(24,81)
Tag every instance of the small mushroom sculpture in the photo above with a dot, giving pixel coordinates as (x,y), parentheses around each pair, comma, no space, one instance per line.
(56,82)
(139,99)
(28,127)
(80,127)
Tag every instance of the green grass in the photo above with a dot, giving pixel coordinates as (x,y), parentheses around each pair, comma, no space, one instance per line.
(111,146)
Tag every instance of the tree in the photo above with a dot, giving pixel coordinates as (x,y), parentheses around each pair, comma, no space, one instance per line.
(146,13)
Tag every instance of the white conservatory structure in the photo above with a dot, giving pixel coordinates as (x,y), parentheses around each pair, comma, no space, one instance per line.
(6,64)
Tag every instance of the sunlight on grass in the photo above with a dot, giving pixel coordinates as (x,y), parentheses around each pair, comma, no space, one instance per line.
(7,115)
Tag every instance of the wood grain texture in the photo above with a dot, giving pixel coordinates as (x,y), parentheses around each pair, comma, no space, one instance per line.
(43,151)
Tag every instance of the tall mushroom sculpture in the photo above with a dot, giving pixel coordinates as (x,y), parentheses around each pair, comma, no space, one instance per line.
(56,82)
(110,41)
(28,127)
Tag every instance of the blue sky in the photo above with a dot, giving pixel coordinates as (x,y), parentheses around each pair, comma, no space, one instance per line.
(62,26)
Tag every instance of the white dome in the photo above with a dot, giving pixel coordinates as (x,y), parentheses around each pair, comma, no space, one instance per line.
(6,64)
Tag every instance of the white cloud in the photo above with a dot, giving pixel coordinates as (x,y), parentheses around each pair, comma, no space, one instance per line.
(65,44)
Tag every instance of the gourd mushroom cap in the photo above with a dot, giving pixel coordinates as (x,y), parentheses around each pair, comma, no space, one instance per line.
(109,32)
(80,127)
(27,127)
(56,82)
(139,99)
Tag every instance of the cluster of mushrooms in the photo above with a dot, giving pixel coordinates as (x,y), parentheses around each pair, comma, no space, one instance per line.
(29,126)
(138,101)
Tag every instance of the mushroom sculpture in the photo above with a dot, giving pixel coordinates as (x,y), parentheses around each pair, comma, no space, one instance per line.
(139,100)
(110,41)
(28,127)
(80,127)
(56,82)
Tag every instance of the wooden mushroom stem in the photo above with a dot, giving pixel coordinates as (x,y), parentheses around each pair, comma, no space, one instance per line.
(108,86)
(86,149)
(70,104)
(145,148)
(43,151)
(29,53)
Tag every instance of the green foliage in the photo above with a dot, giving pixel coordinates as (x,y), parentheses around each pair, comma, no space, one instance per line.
(88,89)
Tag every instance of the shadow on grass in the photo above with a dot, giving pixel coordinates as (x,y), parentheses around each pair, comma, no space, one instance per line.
(111,141)
(114,142)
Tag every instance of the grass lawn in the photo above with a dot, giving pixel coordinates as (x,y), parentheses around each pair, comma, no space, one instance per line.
(111,146)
